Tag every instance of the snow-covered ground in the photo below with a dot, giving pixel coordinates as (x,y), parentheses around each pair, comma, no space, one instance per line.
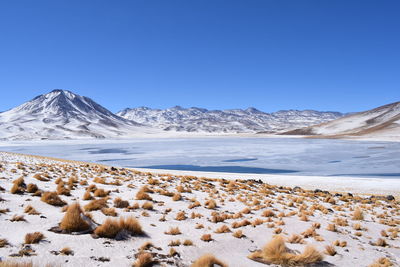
(293,212)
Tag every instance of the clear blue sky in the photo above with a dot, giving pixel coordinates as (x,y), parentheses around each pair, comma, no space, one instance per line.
(339,55)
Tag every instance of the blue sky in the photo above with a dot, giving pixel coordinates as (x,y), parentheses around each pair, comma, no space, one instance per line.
(327,55)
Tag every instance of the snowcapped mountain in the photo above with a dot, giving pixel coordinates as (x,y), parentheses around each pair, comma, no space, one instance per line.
(62,114)
(225,121)
(383,121)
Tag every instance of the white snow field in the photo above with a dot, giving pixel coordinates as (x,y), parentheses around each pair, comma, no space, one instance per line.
(365,229)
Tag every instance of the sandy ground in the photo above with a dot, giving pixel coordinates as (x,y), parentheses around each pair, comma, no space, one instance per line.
(259,210)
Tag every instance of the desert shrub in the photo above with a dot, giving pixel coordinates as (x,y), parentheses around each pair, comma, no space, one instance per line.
(33,238)
(268,213)
(109,212)
(3,242)
(295,239)
(174,243)
(142,194)
(87,196)
(223,229)
(73,221)
(238,234)
(173,231)
(144,259)
(32,188)
(181,216)
(66,251)
(119,203)
(275,252)
(31,210)
(187,242)
(52,198)
(358,214)
(176,197)
(208,260)
(147,205)
(101,193)
(206,237)
(18,218)
(111,227)
(210,204)
(381,262)
(330,250)
(96,204)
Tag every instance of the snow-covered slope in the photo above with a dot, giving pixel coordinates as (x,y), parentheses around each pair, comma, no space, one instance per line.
(383,121)
(62,114)
(231,121)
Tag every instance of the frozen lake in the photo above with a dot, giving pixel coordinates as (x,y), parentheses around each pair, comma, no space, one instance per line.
(289,156)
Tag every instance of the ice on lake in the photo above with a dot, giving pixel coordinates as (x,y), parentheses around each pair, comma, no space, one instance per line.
(229,154)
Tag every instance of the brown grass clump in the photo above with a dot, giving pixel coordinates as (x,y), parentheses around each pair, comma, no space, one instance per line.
(96,204)
(87,196)
(268,213)
(144,259)
(33,238)
(382,262)
(331,227)
(173,231)
(187,242)
(176,197)
(109,212)
(17,264)
(3,242)
(295,239)
(210,204)
(31,210)
(380,242)
(238,234)
(73,221)
(208,260)
(101,193)
(111,227)
(181,216)
(275,252)
(206,237)
(142,195)
(330,250)
(358,214)
(52,198)
(119,203)
(147,205)
(18,218)
(174,243)
(357,227)
(223,229)
(16,189)
(66,251)
(32,188)
(62,190)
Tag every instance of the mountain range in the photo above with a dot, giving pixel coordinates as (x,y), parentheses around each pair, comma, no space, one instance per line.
(61,114)
(381,122)
(249,120)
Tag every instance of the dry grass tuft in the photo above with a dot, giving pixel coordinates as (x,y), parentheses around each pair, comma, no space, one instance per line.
(187,242)
(73,221)
(87,196)
(144,259)
(208,260)
(181,216)
(173,231)
(330,250)
(52,198)
(109,212)
(32,188)
(18,218)
(210,204)
(206,238)
(96,204)
(142,195)
(147,205)
(101,193)
(31,210)
(238,234)
(33,238)
(358,214)
(111,227)
(295,239)
(174,243)
(66,251)
(223,229)
(176,197)
(275,252)
(119,203)
(3,242)
(382,262)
